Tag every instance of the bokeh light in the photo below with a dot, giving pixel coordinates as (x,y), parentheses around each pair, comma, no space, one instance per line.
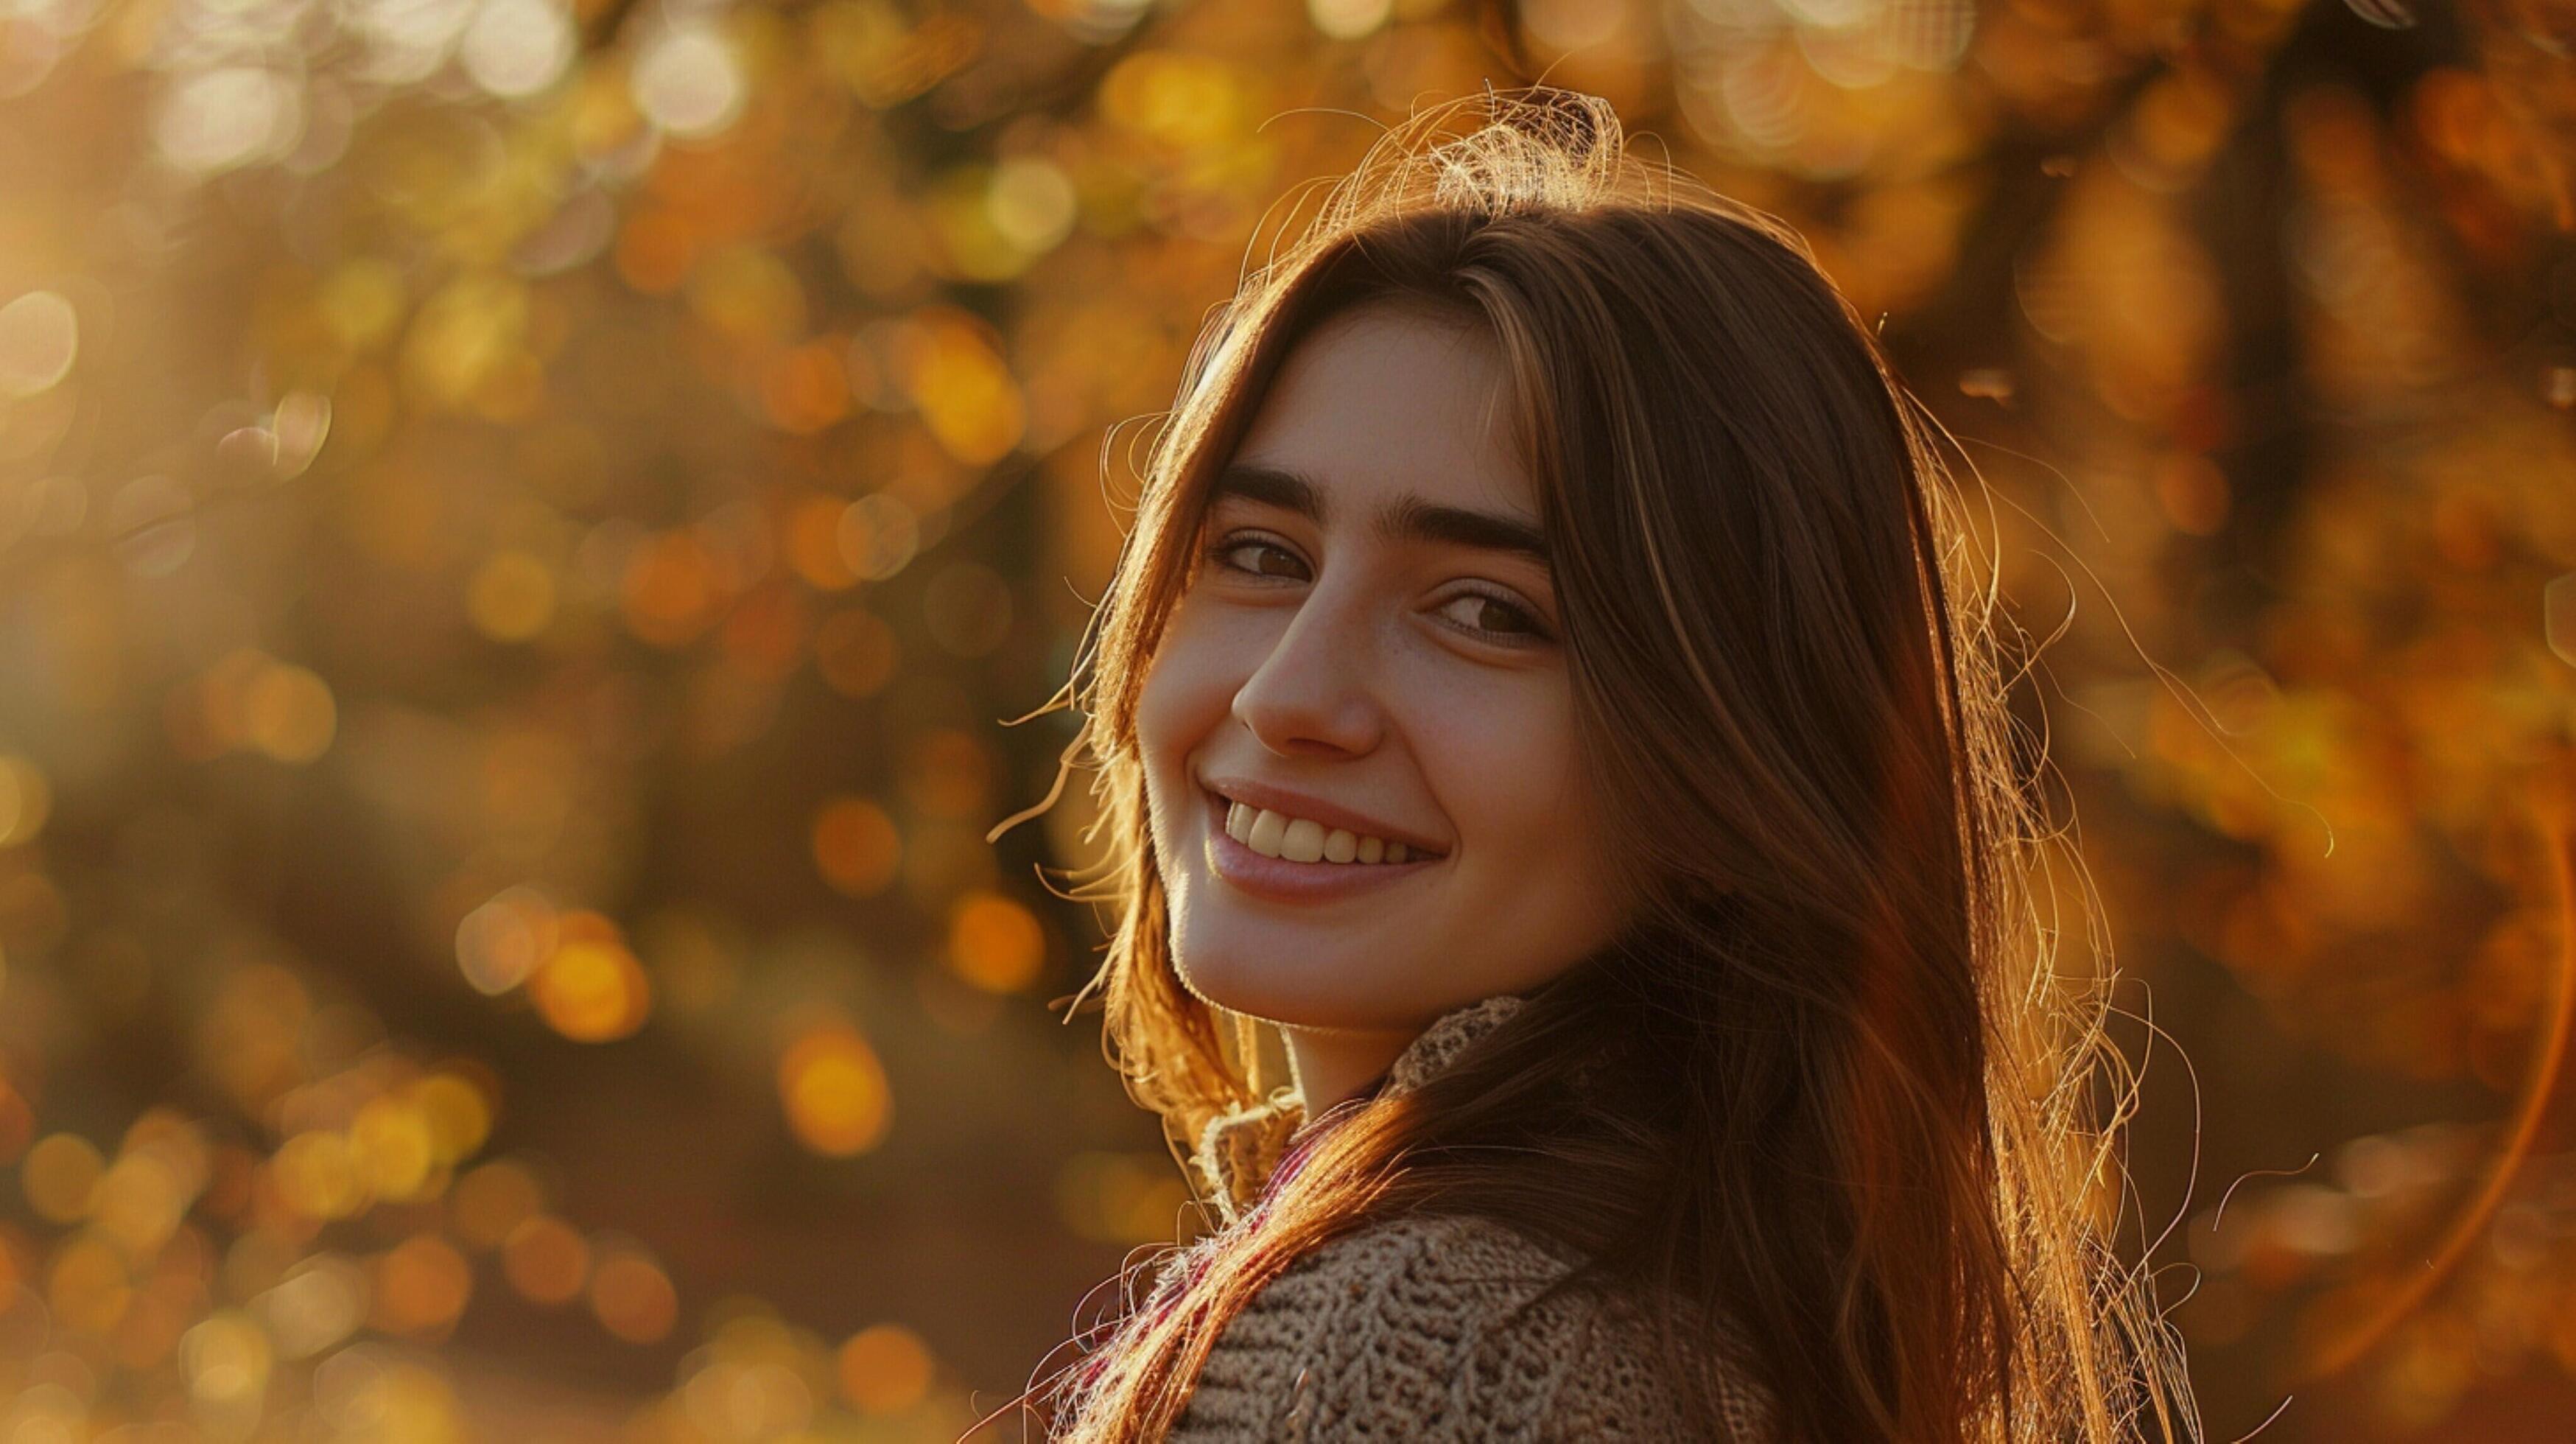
(883,1369)
(834,1090)
(590,988)
(856,845)
(39,337)
(546,1260)
(995,943)
(632,1296)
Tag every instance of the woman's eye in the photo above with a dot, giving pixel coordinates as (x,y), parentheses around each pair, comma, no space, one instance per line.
(1230,554)
(1481,614)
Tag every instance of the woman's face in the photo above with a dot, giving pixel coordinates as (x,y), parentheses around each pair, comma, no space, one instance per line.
(1369,650)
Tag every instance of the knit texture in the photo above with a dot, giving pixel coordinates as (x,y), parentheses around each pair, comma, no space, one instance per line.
(1405,1329)
(1238,1152)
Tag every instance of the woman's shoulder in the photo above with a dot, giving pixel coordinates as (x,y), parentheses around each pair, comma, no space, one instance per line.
(1483,1258)
(1435,1328)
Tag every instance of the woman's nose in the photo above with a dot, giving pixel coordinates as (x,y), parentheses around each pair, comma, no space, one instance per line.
(1314,692)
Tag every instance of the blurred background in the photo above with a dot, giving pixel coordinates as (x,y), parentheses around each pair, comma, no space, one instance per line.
(521,526)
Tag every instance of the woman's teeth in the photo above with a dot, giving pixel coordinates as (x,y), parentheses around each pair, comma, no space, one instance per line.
(1300,839)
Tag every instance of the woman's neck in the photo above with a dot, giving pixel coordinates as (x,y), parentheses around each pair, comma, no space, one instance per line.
(1330,1065)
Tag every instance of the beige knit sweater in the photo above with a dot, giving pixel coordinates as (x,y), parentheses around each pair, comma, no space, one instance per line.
(1399,1330)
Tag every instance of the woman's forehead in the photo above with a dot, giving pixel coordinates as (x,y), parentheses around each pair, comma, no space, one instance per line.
(1382,400)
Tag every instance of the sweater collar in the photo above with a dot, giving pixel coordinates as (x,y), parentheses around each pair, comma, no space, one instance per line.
(1237,1151)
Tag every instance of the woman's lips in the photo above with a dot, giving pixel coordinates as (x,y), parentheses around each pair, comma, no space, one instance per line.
(1279,880)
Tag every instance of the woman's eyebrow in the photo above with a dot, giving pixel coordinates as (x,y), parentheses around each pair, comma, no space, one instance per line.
(1406,517)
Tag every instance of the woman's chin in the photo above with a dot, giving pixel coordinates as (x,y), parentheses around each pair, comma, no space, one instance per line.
(1300,992)
(1239,985)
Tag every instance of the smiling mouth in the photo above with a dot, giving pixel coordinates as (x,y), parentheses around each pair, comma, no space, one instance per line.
(1283,838)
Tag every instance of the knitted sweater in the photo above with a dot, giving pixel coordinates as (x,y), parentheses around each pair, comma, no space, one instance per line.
(1399,1330)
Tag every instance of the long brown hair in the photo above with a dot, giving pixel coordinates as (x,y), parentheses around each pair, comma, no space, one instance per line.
(1833,1088)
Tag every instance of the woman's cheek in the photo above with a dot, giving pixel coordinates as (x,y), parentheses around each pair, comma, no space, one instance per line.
(1500,759)
(1174,682)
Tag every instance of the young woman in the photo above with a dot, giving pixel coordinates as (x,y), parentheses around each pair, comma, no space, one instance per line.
(1545,683)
